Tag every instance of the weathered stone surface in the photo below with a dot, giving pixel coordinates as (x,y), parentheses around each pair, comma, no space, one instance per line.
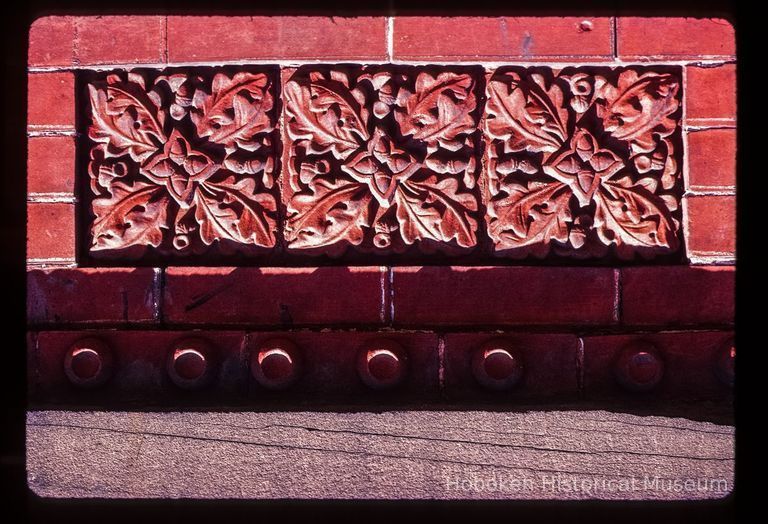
(391,455)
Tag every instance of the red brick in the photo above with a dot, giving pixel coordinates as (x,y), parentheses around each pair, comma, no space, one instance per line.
(90,295)
(710,94)
(471,38)
(674,37)
(139,366)
(677,295)
(120,40)
(503,295)
(50,231)
(286,37)
(51,100)
(329,365)
(328,358)
(274,296)
(689,364)
(51,164)
(711,225)
(51,41)
(549,363)
(712,159)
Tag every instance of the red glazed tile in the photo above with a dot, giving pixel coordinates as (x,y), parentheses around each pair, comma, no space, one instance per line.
(139,369)
(674,37)
(51,100)
(120,39)
(549,365)
(90,295)
(712,225)
(503,296)
(51,41)
(329,363)
(274,296)
(712,159)
(51,164)
(689,360)
(50,231)
(472,38)
(711,95)
(677,295)
(286,37)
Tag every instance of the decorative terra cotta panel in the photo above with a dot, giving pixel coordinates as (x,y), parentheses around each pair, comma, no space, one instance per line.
(381,159)
(181,161)
(583,160)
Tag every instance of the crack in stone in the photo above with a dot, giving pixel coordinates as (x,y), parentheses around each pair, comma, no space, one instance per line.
(311,448)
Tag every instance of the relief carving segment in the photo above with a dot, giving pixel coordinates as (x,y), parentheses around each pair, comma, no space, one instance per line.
(381,159)
(584,163)
(181,163)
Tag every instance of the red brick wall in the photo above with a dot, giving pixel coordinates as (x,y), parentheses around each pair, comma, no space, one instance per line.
(565,318)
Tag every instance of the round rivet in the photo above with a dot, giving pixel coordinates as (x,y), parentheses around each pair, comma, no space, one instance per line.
(639,367)
(496,365)
(382,363)
(586,25)
(725,363)
(276,364)
(88,363)
(189,363)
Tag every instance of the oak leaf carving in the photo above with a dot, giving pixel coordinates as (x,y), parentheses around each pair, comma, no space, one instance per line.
(399,157)
(234,211)
(629,215)
(169,184)
(526,114)
(334,211)
(235,111)
(558,174)
(439,109)
(434,209)
(639,108)
(536,213)
(125,119)
(331,120)
(131,215)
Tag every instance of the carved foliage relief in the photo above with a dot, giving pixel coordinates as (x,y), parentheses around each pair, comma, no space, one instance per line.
(583,163)
(381,159)
(181,163)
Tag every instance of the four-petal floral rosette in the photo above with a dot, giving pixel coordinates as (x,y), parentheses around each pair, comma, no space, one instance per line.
(582,163)
(182,163)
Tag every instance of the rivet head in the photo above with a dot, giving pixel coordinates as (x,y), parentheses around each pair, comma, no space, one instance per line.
(190,363)
(88,363)
(497,365)
(382,363)
(725,363)
(586,26)
(276,364)
(639,367)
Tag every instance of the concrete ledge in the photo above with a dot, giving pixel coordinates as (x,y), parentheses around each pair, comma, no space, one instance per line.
(390,455)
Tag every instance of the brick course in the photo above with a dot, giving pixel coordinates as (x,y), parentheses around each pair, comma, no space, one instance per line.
(273,296)
(241,38)
(331,306)
(674,37)
(503,296)
(503,38)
